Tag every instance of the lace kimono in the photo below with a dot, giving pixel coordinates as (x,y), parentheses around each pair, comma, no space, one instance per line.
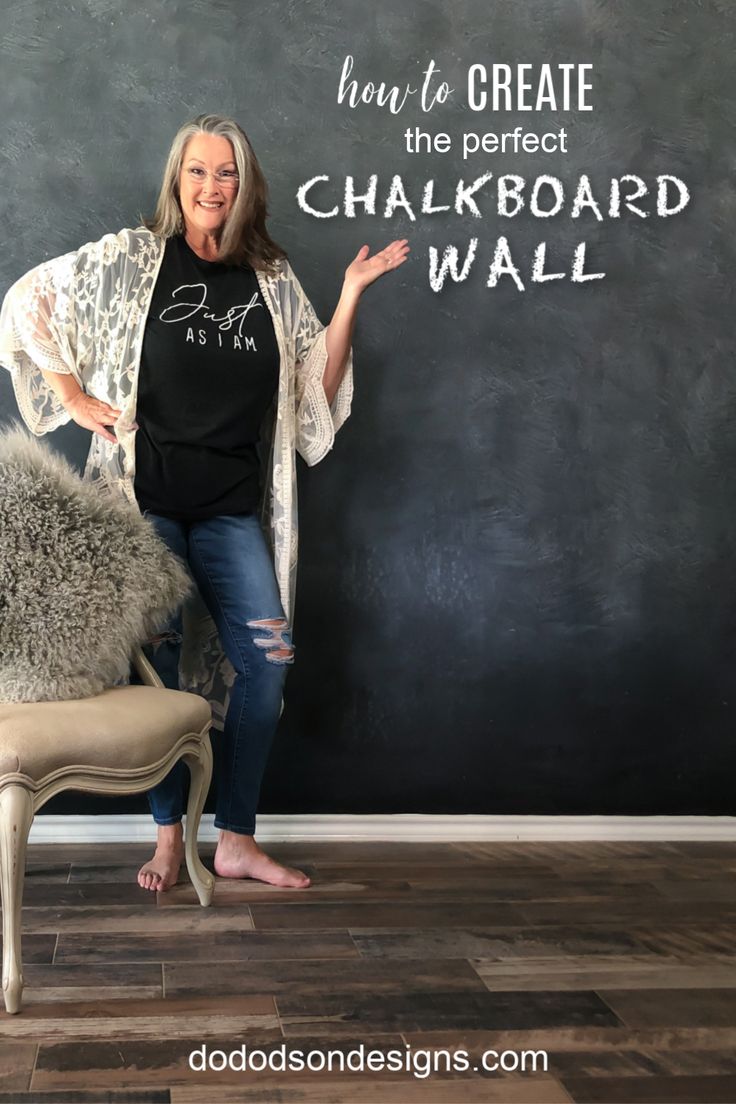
(84,313)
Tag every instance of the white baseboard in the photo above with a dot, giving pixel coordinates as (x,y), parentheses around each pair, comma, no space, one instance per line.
(402,827)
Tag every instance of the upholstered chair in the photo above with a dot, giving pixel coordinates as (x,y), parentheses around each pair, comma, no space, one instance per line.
(84,581)
(122,741)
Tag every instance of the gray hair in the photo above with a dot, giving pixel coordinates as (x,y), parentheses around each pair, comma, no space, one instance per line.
(244,237)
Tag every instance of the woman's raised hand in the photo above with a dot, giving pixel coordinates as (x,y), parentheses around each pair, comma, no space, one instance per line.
(92,413)
(364,269)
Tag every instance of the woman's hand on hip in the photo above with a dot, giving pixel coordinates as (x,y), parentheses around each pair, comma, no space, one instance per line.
(363,270)
(92,413)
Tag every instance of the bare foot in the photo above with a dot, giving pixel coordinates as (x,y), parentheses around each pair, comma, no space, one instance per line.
(163,869)
(240,857)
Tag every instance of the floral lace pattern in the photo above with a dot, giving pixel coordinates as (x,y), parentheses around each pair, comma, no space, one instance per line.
(84,313)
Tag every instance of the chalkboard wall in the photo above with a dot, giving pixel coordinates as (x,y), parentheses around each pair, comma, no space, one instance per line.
(517,566)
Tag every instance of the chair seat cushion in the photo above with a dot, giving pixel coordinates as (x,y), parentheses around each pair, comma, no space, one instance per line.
(122,730)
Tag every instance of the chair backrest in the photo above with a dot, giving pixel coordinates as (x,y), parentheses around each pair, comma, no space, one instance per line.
(84,578)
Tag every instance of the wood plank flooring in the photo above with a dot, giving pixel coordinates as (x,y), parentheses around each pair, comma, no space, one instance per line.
(617,959)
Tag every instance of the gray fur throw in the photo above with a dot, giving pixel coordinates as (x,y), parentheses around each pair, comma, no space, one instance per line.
(83,578)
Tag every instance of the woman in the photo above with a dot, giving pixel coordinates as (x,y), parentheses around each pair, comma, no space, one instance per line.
(189,349)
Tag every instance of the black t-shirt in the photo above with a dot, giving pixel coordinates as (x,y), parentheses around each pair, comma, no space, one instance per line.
(208,373)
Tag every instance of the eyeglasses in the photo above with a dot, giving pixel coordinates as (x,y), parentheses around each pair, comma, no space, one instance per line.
(226,178)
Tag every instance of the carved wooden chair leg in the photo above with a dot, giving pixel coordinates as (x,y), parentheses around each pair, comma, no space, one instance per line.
(16,817)
(200,769)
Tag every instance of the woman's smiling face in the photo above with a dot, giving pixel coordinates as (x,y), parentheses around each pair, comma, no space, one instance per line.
(208,183)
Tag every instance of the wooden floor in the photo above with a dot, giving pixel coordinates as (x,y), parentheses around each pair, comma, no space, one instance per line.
(617,959)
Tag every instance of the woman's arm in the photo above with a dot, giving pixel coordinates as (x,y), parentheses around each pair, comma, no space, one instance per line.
(38,334)
(359,274)
(338,339)
(48,336)
(63,384)
(85,410)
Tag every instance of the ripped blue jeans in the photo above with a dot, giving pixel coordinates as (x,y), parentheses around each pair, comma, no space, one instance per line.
(230,562)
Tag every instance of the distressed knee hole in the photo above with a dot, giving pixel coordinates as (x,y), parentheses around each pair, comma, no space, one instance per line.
(277,644)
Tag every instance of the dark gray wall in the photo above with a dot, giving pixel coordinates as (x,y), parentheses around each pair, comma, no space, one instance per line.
(516,588)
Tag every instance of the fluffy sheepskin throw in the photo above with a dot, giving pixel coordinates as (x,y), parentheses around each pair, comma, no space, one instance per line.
(83,578)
